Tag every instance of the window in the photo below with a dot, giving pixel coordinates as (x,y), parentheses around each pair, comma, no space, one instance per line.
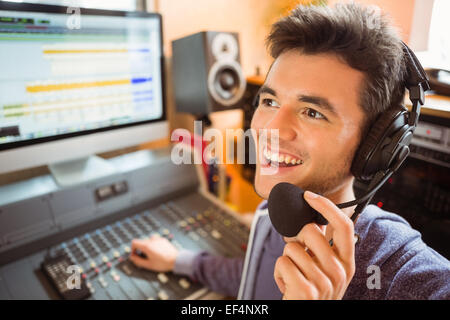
(439,37)
(430,38)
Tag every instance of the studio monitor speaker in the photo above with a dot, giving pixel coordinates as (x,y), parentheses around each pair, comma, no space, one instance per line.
(207,74)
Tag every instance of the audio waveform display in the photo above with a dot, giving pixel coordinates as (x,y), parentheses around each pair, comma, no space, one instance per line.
(55,80)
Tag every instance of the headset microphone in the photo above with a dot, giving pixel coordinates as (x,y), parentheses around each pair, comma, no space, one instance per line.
(380,154)
(289,212)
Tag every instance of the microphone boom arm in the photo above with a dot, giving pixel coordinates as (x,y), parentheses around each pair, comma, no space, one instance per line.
(377,182)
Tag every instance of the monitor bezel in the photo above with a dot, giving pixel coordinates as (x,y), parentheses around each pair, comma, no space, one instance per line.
(44,8)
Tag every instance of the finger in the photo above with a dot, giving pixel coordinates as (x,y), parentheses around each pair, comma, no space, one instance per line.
(140,262)
(294,238)
(297,253)
(343,229)
(141,245)
(311,237)
(281,285)
(290,280)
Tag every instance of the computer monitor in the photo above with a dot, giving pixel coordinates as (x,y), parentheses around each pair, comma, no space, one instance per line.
(76,82)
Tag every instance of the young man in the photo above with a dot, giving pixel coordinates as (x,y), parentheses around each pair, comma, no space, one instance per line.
(335,70)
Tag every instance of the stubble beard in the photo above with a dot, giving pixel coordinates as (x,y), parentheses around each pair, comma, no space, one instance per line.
(324,184)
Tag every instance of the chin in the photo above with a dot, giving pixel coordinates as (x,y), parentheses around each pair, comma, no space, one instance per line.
(262,190)
(263,184)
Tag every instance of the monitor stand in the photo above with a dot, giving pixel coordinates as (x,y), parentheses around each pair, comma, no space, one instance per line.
(73,172)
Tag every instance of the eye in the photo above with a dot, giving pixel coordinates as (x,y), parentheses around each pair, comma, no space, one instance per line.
(311,113)
(269,103)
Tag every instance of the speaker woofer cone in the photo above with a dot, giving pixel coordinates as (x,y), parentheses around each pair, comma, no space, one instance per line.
(226,82)
(227,79)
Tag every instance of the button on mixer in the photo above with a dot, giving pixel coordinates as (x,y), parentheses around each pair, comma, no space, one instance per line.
(185,284)
(216,234)
(162,295)
(103,282)
(162,278)
(182,223)
(115,276)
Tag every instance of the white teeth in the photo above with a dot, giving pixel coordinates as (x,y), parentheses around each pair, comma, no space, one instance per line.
(275,157)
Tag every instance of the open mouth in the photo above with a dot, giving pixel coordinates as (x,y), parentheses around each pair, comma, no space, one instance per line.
(280,160)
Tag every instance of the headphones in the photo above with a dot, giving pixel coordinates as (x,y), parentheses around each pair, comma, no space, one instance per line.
(379,155)
(386,145)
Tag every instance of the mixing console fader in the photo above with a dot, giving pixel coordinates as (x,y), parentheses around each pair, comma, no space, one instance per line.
(192,222)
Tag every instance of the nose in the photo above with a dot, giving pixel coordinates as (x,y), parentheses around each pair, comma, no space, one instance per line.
(283,121)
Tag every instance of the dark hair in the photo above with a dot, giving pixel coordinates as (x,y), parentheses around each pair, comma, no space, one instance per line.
(361,36)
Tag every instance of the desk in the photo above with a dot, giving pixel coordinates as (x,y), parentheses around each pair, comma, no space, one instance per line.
(435,105)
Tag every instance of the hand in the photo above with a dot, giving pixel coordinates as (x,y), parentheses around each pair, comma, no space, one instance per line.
(160,254)
(312,269)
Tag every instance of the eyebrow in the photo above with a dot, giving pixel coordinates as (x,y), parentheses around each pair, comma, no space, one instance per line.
(321,102)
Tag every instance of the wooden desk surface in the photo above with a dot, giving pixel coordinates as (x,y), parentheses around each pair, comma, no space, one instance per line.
(435,105)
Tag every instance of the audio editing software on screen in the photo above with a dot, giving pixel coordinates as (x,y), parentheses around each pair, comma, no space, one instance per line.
(56,80)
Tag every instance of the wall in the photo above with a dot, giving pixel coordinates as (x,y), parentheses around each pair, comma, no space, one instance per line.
(251,19)
(181,18)
(400,11)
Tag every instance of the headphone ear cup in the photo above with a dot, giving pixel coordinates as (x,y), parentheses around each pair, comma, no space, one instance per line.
(367,153)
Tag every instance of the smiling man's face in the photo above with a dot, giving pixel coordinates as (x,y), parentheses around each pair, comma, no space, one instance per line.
(313,101)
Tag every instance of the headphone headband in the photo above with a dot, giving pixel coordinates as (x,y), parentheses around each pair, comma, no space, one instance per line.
(416,74)
(416,82)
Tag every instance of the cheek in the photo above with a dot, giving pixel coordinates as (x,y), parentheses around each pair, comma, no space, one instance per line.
(259,121)
(349,138)
(318,142)
(325,145)
(332,146)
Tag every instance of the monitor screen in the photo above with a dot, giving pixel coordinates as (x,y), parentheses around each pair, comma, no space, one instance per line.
(66,72)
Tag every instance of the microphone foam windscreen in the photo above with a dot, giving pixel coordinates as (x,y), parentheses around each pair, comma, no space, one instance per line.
(288,211)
